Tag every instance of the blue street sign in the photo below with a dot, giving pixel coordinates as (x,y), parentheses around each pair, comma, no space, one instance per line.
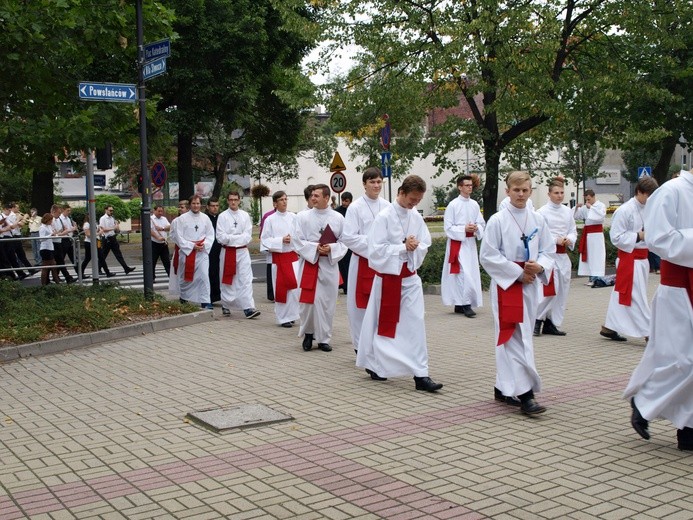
(118,92)
(644,171)
(160,49)
(386,169)
(158,174)
(154,68)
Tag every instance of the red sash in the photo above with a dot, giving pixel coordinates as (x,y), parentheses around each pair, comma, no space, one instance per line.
(582,247)
(190,266)
(190,262)
(550,288)
(510,310)
(674,275)
(390,300)
(454,258)
(364,283)
(230,264)
(309,282)
(624,274)
(176,257)
(286,279)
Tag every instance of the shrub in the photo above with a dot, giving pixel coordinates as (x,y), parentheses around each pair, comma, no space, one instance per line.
(432,266)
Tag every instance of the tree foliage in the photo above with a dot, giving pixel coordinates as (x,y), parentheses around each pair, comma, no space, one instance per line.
(515,75)
(234,80)
(46,49)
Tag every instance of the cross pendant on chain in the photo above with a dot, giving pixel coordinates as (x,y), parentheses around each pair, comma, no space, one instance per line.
(196,227)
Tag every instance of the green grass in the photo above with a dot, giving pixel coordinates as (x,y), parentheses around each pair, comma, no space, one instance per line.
(37,313)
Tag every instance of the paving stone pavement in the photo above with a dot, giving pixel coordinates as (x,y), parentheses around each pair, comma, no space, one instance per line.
(101,432)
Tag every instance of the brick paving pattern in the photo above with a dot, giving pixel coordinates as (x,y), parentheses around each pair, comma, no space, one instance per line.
(101,432)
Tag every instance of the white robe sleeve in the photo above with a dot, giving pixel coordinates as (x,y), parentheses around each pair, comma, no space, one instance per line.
(621,233)
(668,223)
(491,256)
(386,252)
(307,249)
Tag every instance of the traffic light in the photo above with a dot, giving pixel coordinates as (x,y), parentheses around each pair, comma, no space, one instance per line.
(140,183)
(104,157)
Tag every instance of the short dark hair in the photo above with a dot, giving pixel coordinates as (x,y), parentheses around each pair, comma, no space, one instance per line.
(646,185)
(157,207)
(372,172)
(589,192)
(308,191)
(233,192)
(412,183)
(212,199)
(278,195)
(462,178)
(324,187)
(347,195)
(195,197)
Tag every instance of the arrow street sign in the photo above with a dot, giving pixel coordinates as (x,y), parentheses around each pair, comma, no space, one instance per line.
(644,171)
(154,68)
(118,92)
(160,49)
(385,167)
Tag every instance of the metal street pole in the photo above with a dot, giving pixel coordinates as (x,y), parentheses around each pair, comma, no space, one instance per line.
(145,214)
(93,225)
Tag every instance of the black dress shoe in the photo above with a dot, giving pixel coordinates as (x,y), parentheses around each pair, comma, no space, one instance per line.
(307,342)
(685,438)
(531,407)
(325,347)
(537,327)
(498,396)
(467,311)
(459,309)
(551,329)
(638,422)
(611,334)
(129,270)
(374,376)
(287,325)
(427,384)
(110,275)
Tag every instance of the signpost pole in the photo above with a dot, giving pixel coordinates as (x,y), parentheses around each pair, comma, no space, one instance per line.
(93,223)
(145,214)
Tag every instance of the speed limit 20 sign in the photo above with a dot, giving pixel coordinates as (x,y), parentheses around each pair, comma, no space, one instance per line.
(338,182)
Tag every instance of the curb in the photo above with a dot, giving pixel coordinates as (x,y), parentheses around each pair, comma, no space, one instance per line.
(89,339)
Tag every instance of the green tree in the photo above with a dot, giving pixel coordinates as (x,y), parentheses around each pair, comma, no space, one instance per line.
(513,65)
(46,48)
(234,78)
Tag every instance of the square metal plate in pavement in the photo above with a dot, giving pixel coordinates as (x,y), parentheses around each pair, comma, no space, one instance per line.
(242,416)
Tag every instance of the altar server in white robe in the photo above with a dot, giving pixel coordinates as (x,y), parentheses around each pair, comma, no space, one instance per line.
(591,246)
(393,337)
(554,296)
(234,233)
(516,253)
(276,240)
(662,384)
(193,233)
(358,221)
(629,310)
(315,236)
(460,281)
(173,283)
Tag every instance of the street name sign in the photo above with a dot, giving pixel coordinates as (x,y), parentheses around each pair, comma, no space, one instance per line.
(156,50)
(154,68)
(116,92)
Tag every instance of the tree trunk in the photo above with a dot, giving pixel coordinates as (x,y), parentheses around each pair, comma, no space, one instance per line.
(492,158)
(661,170)
(42,186)
(185,173)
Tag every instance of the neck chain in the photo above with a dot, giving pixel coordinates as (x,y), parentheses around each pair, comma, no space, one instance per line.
(368,205)
(522,228)
(402,224)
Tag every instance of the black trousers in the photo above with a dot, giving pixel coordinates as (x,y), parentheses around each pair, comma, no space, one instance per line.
(87,258)
(59,256)
(161,251)
(111,244)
